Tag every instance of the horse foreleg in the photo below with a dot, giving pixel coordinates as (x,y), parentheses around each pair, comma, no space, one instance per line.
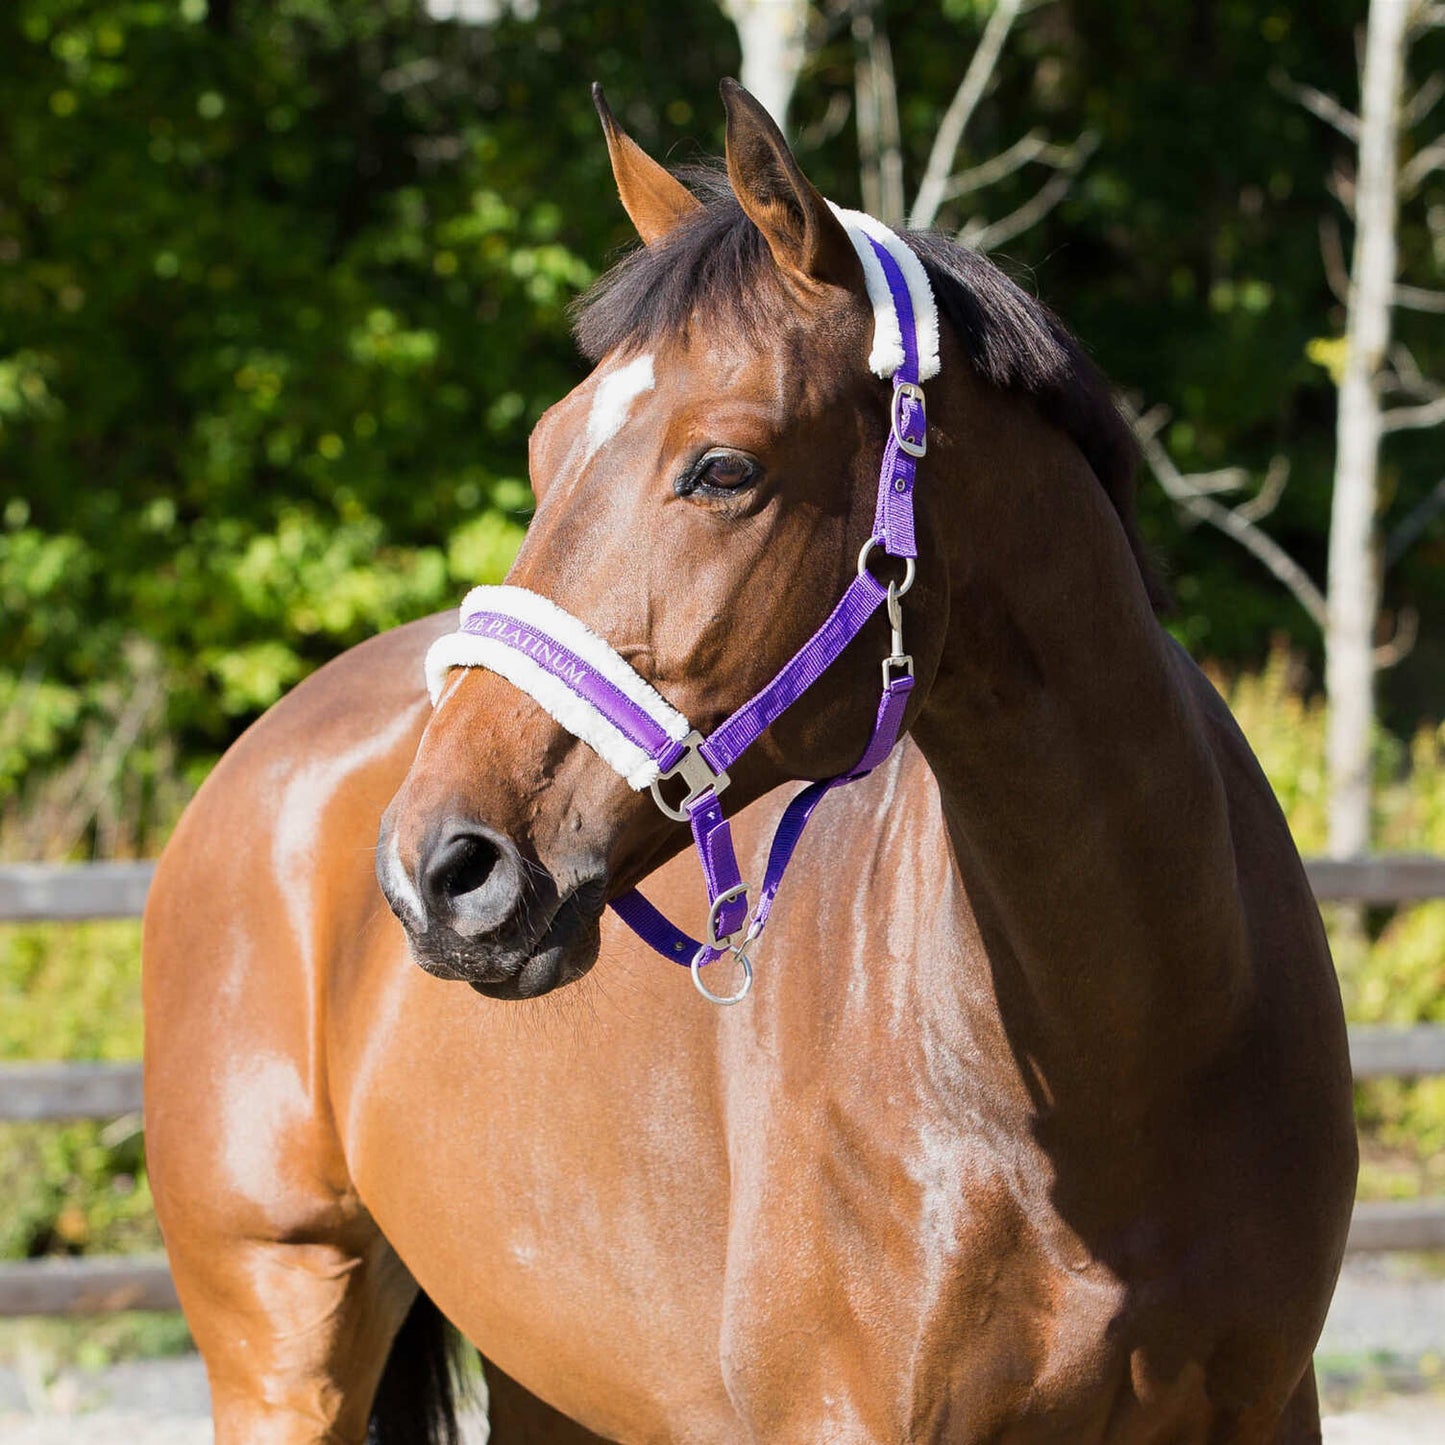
(518,1417)
(295,1335)
(1300,1423)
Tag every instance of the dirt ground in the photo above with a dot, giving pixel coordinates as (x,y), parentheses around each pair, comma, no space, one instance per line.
(163,1402)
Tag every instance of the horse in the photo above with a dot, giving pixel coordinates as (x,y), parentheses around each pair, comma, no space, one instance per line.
(1037,1124)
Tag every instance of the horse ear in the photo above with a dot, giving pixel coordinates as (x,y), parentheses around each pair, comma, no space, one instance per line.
(807,240)
(653,197)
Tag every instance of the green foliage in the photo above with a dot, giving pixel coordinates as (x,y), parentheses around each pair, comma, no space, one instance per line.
(72,992)
(283,287)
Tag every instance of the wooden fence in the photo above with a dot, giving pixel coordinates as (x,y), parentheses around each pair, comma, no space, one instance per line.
(64,1091)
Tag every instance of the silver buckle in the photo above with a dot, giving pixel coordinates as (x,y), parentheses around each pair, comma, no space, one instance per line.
(903,662)
(695,771)
(739,890)
(912,390)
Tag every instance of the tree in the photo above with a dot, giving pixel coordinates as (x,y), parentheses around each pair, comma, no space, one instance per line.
(1364,374)
(773,37)
(1366,368)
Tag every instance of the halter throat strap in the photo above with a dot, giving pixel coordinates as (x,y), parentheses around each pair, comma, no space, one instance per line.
(593,692)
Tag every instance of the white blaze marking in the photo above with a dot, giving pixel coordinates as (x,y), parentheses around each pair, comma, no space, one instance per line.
(612,401)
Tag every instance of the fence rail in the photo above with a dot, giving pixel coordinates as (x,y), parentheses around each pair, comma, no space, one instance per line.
(46,893)
(97,1284)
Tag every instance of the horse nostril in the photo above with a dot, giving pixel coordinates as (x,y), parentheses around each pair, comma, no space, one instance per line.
(470,879)
(470,861)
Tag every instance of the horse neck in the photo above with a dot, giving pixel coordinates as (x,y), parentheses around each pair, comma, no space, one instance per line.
(1085,806)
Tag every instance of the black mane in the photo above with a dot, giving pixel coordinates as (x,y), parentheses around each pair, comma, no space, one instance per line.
(716,263)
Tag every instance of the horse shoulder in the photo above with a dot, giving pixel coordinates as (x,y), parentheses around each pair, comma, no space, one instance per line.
(269,865)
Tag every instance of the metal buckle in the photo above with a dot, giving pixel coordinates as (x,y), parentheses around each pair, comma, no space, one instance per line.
(739,890)
(903,661)
(724,1000)
(696,772)
(914,392)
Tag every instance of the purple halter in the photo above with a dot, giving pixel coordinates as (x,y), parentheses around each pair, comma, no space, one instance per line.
(593,692)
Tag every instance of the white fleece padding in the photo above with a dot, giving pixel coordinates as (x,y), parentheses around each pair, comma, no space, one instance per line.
(887,354)
(579,717)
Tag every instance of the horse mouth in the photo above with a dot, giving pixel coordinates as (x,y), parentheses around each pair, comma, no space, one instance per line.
(523,966)
(565,951)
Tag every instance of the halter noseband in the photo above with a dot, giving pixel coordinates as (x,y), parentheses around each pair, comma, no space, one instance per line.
(593,692)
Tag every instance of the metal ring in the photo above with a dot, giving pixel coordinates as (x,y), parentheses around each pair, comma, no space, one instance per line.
(738,891)
(724,1000)
(909,566)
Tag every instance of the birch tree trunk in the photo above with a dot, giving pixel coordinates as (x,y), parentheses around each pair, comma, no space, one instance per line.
(1354,590)
(880,151)
(772,34)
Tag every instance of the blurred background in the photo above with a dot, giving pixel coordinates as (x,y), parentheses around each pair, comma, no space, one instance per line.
(284,285)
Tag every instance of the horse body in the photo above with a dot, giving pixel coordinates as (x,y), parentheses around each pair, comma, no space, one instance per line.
(636,1204)
(1037,1125)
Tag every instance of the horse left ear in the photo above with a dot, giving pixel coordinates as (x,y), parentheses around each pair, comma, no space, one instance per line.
(807,240)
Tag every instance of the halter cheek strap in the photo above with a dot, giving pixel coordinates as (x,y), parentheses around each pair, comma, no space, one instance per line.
(593,692)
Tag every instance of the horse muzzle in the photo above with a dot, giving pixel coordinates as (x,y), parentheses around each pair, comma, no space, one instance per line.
(474,909)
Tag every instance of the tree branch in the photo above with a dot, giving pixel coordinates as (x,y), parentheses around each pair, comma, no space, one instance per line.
(960,111)
(1402,640)
(1426,159)
(1427,17)
(1411,527)
(1031,147)
(1419,298)
(985,236)
(1435,224)
(1332,252)
(1324,107)
(1341,185)
(1412,418)
(840,107)
(1408,378)
(1423,101)
(1266,499)
(1253,538)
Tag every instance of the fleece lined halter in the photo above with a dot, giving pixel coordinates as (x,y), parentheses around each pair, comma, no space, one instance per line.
(593,692)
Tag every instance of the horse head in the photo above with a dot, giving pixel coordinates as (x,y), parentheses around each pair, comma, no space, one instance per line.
(701,501)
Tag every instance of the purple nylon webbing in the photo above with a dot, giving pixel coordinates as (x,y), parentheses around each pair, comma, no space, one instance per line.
(864,596)
(714,839)
(654,928)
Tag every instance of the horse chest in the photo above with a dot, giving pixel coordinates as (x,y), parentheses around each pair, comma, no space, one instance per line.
(911,1283)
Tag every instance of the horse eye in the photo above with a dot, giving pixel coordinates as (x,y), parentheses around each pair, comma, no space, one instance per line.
(725,471)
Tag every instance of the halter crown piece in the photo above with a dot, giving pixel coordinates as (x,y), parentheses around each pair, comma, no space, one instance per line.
(593,692)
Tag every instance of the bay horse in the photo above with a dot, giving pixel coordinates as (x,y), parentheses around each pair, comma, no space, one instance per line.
(1037,1125)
